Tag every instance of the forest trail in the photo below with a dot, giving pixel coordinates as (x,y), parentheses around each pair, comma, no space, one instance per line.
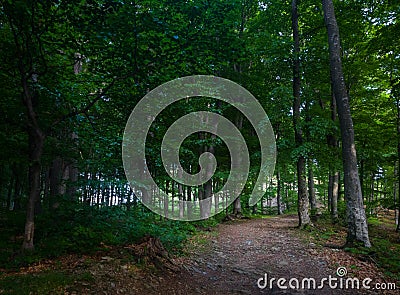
(246,250)
(229,260)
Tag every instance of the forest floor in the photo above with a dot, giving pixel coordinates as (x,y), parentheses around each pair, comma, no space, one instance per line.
(229,259)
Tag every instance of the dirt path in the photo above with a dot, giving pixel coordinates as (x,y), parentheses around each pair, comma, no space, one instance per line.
(245,251)
(235,257)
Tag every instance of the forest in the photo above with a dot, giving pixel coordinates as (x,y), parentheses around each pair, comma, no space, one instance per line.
(74,221)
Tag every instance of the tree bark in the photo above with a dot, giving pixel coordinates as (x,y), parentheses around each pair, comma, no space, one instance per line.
(311,191)
(356,218)
(398,148)
(36,141)
(237,206)
(206,202)
(304,218)
(189,203)
(333,186)
(36,136)
(278,193)
(56,172)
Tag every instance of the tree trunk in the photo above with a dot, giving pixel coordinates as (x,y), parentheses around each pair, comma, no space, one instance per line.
(334,184)
(278,193)
(73,174)
(311,191)
(398,152)
(189,203)
(304,218)
(35,144)
(237,207)
(356,218)
(206,202)
(181,198)
(36,140)
(16,188)
(330,190)
(56,189)
(9,194)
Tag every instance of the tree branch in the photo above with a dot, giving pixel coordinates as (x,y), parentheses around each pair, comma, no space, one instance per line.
(88,106)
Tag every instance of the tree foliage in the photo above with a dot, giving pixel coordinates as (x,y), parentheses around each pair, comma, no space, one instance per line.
(72,71)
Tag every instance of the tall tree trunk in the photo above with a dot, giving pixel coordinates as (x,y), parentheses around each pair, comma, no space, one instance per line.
(304,218)
(206,202)
(36,141)
(278,192)
(189,203)
(334,183)
(9,194)
(237,206)
(398,149)
(311,191)
(35,144)
(16,197)
(333,186)
(330,190)
(356,218)
(56,171)
(181,198)
(371,194)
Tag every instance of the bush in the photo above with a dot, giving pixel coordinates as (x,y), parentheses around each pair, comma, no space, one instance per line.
(78,228)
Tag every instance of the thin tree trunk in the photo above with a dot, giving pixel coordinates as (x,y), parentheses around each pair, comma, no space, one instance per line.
(181,198)
(166,199)
(335,195)
(237,206)
(398,156)
(356,218)
(287,197)
(56,171)
(330,183)
(36,141)
(311,191)
(206,202)
(9,194)
(17,187)
(333,186)
(189,203)
(372,193)
(362,177)
(278,192)
(304,218)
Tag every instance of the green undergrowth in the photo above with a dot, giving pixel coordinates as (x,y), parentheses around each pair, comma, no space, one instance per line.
(48,282)
(85,229)
(385,249)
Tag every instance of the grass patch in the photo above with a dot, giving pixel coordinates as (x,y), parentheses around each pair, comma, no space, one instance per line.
(374,221)
(199,243)
(385,250)
(53,282)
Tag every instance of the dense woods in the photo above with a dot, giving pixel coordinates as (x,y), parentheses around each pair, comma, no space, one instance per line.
(326,73)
